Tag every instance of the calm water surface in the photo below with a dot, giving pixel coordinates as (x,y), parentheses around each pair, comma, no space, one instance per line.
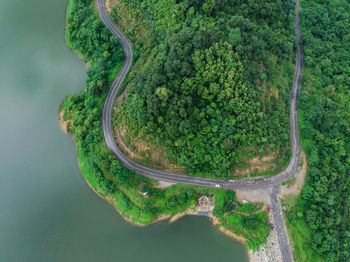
(47,212)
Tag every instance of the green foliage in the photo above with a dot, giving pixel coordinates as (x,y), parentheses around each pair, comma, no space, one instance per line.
(248,208)
(323,206)
(254,227)
(103,172)
(224,202)
(203,94)
(88,36)
(136,197)
(300,234)
(240,219)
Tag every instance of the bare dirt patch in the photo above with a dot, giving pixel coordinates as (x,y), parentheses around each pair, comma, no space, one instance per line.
(108,4)
(256,195)
(258,164)
(122,96)
(296,184)
(138,149)
(119,138)
(276,93)
(164,184)
(64,124)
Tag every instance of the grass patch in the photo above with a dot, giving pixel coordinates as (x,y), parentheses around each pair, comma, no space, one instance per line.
(299,233)
(254,227)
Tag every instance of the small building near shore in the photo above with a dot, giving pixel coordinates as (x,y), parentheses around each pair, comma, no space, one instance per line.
(205,205)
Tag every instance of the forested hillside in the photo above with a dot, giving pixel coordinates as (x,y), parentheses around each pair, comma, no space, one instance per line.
(320,218)
(137,198)
(216,87)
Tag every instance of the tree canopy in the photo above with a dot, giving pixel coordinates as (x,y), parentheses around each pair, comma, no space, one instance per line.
(205,95)
(325,127)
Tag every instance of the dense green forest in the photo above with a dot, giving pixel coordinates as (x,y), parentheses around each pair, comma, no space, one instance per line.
(137,198)
(233,52)
(216,87)
(319,218)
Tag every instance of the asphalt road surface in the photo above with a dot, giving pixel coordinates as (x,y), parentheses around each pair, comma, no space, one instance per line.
(272,182)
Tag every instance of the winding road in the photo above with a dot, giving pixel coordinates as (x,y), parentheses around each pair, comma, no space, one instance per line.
(272,182)
(252,183)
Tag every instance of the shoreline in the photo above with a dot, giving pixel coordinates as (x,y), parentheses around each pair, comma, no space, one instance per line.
(170,218)
(270,251)
(165,217)
(251,257)
(64,125)
(215,221)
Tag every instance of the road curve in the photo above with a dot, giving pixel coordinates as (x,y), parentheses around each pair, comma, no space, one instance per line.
(253,183)
(272,182)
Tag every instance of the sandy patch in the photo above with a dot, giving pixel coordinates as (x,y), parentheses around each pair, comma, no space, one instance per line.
(189,211)
(165,184)
(256,195)
(64,124)
(108,4)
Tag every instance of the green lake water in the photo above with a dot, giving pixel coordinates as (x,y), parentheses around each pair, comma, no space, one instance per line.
(47,212)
